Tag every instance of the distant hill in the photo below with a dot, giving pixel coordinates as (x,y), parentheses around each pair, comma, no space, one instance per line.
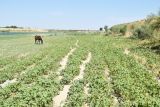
(126,29)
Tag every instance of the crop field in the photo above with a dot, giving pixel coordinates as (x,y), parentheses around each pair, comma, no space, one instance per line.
(77,70)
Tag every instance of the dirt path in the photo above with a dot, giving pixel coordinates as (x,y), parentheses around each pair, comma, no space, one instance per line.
(86,89)
(85,105)
(82,67)
(16,75)
(115,102)
(107,74)
(64,61)
(126,51)
(8,82)
(22,55)
(76,44)
(59,100)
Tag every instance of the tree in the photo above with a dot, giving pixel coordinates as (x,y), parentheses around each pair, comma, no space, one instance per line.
(12,26)
(106,28)
(101,29)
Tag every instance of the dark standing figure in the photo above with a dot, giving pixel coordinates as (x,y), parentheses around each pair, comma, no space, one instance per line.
(38,39)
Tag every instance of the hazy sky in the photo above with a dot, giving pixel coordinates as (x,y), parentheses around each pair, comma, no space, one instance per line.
(73,14)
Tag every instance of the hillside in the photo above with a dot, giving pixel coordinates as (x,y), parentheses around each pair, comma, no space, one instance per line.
(127,29)
(147,30)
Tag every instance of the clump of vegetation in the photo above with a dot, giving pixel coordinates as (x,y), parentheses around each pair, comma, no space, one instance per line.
(156,24)
(107,31)
(123,30)
(119,29)
(143,32)
(150,29)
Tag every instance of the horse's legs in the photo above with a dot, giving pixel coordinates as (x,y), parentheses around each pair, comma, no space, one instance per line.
(39,41)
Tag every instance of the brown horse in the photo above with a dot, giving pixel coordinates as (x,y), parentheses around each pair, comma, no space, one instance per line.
(38,39)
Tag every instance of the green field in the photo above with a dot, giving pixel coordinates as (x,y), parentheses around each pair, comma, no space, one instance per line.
(119,73)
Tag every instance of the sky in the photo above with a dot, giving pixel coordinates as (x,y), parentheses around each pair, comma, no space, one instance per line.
(74,14)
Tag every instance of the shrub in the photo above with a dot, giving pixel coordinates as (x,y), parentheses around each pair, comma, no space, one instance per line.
(108,33)
(156,24)
(123,29)
(119,29)
(143,32)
